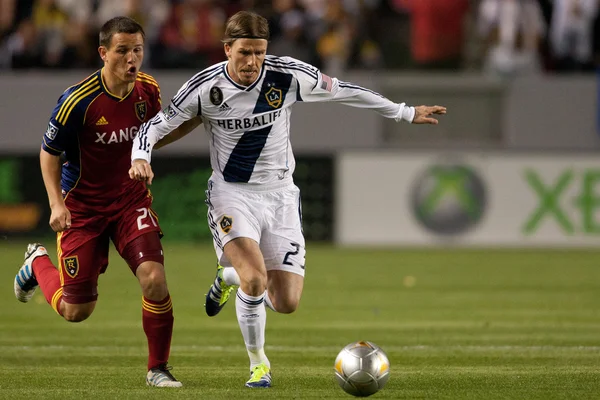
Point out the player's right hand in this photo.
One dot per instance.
(423, 114)
(141, 171)
(60, 218)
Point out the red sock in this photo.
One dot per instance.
(157, 320)
(48, 278)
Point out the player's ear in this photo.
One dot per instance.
(227, 48)
(102, 51)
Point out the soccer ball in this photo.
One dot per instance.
(362, 369)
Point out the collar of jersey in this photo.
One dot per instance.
(245, 88)
(108, 93)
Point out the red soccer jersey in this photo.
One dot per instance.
(95, 129)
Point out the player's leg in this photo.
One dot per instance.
(36, 268)
(283, 248)
(284, 291)
(80, 288)
(284, 260)
(138, 241)
(245, 256)
(220, 223)
(234, 221)
(82, 257)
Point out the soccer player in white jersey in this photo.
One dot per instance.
(254, 213)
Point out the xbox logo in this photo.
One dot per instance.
(449, 199)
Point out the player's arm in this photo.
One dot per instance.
(53, 144)
(51, 166)
(318, 87)
(180, 132)
(185, 106)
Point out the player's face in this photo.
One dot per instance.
(124, 56)
(246, 57)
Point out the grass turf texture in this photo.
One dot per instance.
(456, 324)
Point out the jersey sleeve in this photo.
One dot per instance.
(183, 107)
(315, 86)
(156, 106)
(65, 121)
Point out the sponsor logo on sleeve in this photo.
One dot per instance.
(169, 113)
(52, 131)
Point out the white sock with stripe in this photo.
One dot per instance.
(252, 318)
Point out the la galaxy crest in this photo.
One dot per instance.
(71, 265)
(216, 95)
(274, 97)
(141, 110)
(226, 223)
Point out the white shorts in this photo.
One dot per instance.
(272, 218)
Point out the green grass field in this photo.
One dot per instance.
(455, 324)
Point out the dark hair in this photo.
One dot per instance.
(119, 25)
(246, 25)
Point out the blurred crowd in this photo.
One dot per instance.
(501, 37)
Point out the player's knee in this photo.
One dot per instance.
(76, 314)
(152, 280)
(254, 284)
(287, 304)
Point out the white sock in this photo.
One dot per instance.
(230, 276)
(252, 318)
(268, 302)
(258, 357)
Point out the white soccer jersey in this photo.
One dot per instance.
(249, 126)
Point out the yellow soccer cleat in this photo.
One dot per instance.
(218, 294)
(260, 377)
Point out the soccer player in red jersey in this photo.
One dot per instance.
(93, 200)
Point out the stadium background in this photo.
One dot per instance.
(468, 249)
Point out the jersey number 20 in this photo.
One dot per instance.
(144, 215)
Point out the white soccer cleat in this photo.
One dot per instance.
(25, 282)
(161, 377)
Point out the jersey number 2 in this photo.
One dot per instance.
(292, 253)
(140, 220)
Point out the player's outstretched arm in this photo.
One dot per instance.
(180, 132)
(60, 218)
(316, 86)
(156, 131)
(183, 107)
(423, 114)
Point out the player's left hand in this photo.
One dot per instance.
(423, 114)
(141, 171)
